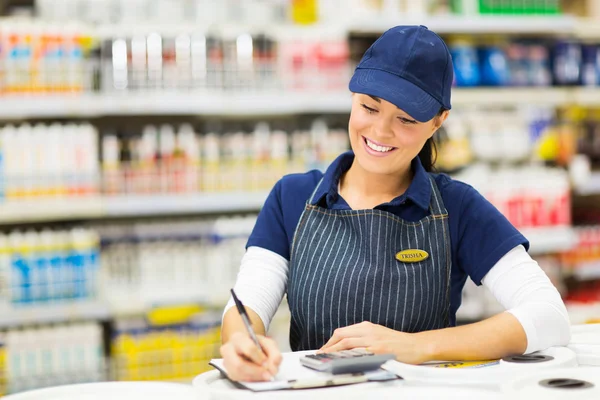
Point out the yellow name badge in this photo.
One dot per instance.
(412, 256)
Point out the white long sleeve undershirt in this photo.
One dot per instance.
(516, 281)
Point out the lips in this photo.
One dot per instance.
(377, 149)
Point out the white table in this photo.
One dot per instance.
(111, 391)
(212, 386)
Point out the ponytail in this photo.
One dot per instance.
(428, 155)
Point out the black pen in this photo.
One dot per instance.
(244, 315)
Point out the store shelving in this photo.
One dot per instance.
(586, 29)
(581, 313)
(53, 313)
(48, 210)
(550, 239)
(448, 24)
(260, 103)
(65, 209)
(214, 203)
(591, 187)
(174, 103)
(586, 97)
(507, 96)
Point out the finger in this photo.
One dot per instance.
(246, 347)
(273, 354)
(240, 369)
(348, 344)
(344, 333)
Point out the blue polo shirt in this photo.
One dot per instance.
(479, 234)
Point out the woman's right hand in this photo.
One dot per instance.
(244, 361)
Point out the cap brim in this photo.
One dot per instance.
(405, 95)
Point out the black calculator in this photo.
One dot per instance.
(346, 362)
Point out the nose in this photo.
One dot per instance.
(382, 128)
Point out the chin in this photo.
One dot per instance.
(370, 164)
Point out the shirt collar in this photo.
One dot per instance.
(419, 191)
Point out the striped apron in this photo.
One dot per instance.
(343, 271)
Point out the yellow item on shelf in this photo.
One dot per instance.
(305, 12)
(173, 315)
(2, 369)
(548, 145)
(166, 352)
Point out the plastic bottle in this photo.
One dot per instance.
(14, 359)
(26, 163)
(465, 61)
(63, 266)
(20, 274)
(111, 169)
(80, 261)
(5, 273)
(69, 157)
(87, 158)
(38, 266)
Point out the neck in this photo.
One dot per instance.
(364, 187)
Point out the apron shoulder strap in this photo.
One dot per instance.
(436, 204)
(311, 199)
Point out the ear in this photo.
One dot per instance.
(439, 120)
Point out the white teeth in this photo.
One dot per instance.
(378, 148)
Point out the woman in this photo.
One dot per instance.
(374, 253)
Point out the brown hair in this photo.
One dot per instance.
(428, 153)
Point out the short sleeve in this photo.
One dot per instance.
(269, 231)
(485, 235)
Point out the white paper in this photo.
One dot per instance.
(292, 370)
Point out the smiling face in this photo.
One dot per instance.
(384, 138)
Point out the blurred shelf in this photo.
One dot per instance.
(550, 25)
(582, 313)
(587, 28)
(174, 103)
(240, 104)
(69, 209)
(45, 210)
(586, 96)
(150, 205)
(504, 96)
(52, 313)
(550, 240)
(586, 271)
(591, 187)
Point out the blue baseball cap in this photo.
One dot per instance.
(409, 66)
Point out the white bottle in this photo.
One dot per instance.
(25, 164)
(30, 351)
(56, 163)
(63, 351)
(69, 154)
(14, 360)
(37, 273)
(40, 163)
(88, 158)
(5, 273)
(7, 138)
(19, 269)
(45, 353)
(64, 268)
